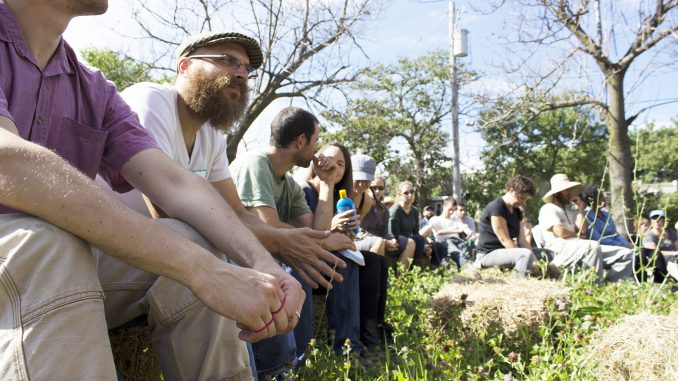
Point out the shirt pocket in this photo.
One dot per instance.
(81, 145)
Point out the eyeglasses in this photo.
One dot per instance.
(230, 61)
(377, 188)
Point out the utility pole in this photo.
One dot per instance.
(456, 175)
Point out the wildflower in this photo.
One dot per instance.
(512, 357)
(508, 377)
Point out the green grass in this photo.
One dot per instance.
(560, 351)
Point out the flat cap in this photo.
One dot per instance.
(250, 45)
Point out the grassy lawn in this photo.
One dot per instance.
(452, 343)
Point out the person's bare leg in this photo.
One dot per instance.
(407, 255)
(379, 247)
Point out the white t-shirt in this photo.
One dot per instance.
(551, 215)
(156, 106)
(438, 223)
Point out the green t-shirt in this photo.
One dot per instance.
(401, 223)
(258, 185)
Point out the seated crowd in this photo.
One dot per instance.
(211, 255)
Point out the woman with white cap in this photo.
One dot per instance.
(660, 237)
(563, 224)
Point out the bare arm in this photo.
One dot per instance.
(561, 232)
(191, 199)
(500, 228)
(522, 237)
(318, 265)
(128, 235)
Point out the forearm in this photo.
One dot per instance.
(189, 198)
(426, 230)
(55, 191)
(322, 218)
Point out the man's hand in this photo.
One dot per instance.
(304, 250)
(285, 317)
(248, 297)
(324, 167)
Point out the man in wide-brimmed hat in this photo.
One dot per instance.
(563, 223)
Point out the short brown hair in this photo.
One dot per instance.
(521, 184)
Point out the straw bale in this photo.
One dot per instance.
(479, 299)
(132, 354)
(639, 347)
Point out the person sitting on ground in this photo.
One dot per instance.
(60, 124)
(404, 223)
(374, 275)
(446, 231)
(426, 215)
(660, 238)
(188, 121)
(460, 213)
(601, 228)
(502, 239)
(322, 194)
(266, 189)
(563, 226)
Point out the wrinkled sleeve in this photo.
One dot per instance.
(125, 139)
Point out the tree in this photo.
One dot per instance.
(594, 30)
(571, 141)
(122, 70)
(395, 116)
(308, 45)
(655, 153)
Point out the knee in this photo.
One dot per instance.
(410, 244)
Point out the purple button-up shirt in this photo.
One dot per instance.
(67, 107)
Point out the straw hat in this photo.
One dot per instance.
(559, 183)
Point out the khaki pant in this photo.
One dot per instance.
(53, 316)
(612, 263)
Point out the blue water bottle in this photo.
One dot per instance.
(345, 204)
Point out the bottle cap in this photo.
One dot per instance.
(342, 193)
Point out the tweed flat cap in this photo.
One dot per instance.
(250, 45)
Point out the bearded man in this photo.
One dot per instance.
(188, 119)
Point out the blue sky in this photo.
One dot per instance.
(408, 29)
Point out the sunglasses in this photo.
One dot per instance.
(377, 188)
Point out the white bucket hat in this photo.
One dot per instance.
(559, 183)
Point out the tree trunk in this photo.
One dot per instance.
(622, 205)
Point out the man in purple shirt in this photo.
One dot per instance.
(61, 123)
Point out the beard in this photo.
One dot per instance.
(560, 197)
(205, 97)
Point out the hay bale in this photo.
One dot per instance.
(132, 354)
(639, 347)
(489, 298)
